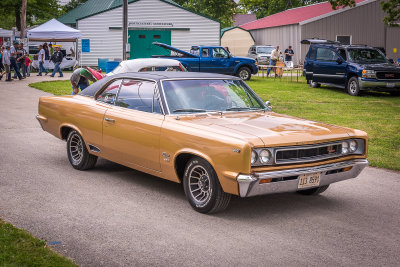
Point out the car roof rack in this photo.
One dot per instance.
(318, 41)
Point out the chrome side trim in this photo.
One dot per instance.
(249, 184)
(328, 75)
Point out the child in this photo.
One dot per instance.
(27, 66)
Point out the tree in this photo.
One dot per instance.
(390, 7)
(263, 8)
(221, 10)
(71, 5)
(37, 11)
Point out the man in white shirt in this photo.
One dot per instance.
(275, 54)
(41, 59)
(13, 60)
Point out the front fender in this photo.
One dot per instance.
(252, 67)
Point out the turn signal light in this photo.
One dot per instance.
(265, 181)
(347, 169)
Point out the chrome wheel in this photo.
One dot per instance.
(200, 185)
(244, 74)
(353, 87)
(76, 149)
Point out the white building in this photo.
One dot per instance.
(164, 21)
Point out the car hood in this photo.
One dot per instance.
(270, 128)
(244, 59)
(380, 67)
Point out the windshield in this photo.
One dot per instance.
(264, 50)
(190, 96)
(366, 55)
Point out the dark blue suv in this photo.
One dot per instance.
(351, 67)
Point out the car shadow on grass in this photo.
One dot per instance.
(362, 93)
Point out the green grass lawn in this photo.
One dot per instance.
(376, 113)
(19, 248)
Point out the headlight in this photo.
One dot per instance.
(345, 147)
(265, 156)
(353, 146)
(253, 157)
(368, 74)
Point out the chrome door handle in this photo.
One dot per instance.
(109, 120)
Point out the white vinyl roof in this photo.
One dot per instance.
(134, 65)
(54, 30)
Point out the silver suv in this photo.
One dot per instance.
(261, 53)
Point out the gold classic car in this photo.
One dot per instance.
(210, 132)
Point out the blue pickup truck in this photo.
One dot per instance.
(213, 59)
(354, 68)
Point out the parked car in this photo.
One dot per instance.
(212, 59)
(148, 64)
(352, 67)
(210, 132)
(261, 53)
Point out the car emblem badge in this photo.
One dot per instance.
(331, 150)
(236, 150)
(389, 75)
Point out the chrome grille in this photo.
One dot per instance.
(307, 153)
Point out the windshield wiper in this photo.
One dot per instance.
(189, 110)
(241, 108)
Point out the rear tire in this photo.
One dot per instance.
(313, 191)
(202, 187)
(314, 84)
(244, 73)
(395, 93)
(353, 87)
(78, 155)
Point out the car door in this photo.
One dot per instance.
(131, 128)
(222, 62)
(327, 67)
(207, 63)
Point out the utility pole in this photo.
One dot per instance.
(23, 20)
(124, 28)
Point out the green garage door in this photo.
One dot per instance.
(141, 43)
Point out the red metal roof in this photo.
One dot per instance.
(291, 16)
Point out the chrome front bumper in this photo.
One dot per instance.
(377, 84)
(249, 184)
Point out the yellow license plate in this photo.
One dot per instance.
(309, 180)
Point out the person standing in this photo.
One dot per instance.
(80, 80)
(275, 54)
(6, 62)
(13, 60)
(289, 53)
(27, 66)
(21, 60)
(1, 62)
(41, 59)
(57, 58)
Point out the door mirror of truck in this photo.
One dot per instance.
(339, 61)
(391, 61)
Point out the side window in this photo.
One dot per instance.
(109, 93)
(138, 95)
(205, 52)
(342, 53)
(326, 54)
(311, 53)
(219, 52)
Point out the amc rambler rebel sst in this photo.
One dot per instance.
(210, 132)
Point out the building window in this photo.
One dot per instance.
(156, 36)
(344, 39)
(142, 36)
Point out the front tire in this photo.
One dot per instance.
(78, 155)
(353, 88)
(202, 187)
(244, 73)
(394, 93)
(313, 191)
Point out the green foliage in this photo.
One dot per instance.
(221, 10)
(263, 8)
(71, 5)
(392, 10)
(37, 12)
(337, 3)
(19, 248)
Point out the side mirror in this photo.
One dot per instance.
(268, 104)
(339, 61)
(391, 60)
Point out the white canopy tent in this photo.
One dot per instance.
(55, 31)
(6, 35)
